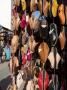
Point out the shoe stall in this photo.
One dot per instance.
(38, 44)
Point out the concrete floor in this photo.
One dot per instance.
(5, 79)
